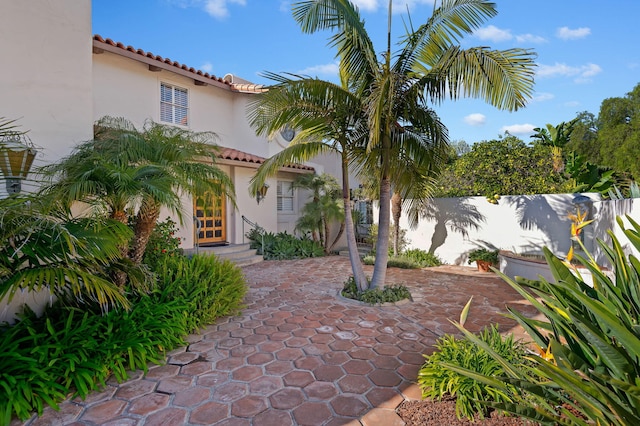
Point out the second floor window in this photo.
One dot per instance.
(174, 105)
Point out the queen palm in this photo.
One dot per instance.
(430, 66)
(330, 119)
(125, 170)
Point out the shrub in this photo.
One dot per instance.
(438, 380)
(162, 243)
(69, 350)
(395, 262)
(209, 287)
(588, 367)
(283, 246)
(388, 294)
(422, 258)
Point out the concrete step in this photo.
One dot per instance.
(240, 254)
(363, 249)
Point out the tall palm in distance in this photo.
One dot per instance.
(429, 67)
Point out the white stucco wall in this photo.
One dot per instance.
(455, 226)
(45, 77)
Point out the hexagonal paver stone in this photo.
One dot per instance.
(409, 371)
(67, 414)
(322, 338)
(278, 368)
(273, 417)
(297, 342)
(243, 350)
(167, 417)
(259, 358)
(270, 347)
(229, 364)
(385, 378)
(247, 373)
(174, 384)
(354, 384)
(335, 358)
(192, 396)
(385, 362)
(265, 385)
(183, 358)
(304, 332)
(229, 392)
(130, 390)
(384, 398)
(248, 406)
(212, 379)
(311, 414)
(307, 363)
(320, 390)
(163, 371)
(348, 406)
(197, 368)
(104, 411)
(298, 378)
(286, 398)
(362, 353)
(149, 403)
(209, 413)
(341, 345)
(229, 343)
(415, 358)
(289, 354)
(328, 373)
(390, 350)
(357, 366)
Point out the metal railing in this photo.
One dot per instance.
(259, 229)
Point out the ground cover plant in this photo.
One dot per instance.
(387, 294)
(409, 259)
(283, 246)
(587, 370)
(73, 351)
(438, 381)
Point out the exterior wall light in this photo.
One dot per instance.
(262, 193)
(16, 157)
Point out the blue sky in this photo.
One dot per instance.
(588, 50)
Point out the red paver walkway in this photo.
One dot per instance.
(299, 355)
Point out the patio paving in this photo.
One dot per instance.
(297, 354)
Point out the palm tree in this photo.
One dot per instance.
(125, 169)
(330, 119)
(430, 66)
(41, 248)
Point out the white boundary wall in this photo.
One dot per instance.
(452, 227)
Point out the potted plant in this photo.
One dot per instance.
(484, 258)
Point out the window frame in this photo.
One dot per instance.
(280, 196)
(175, 105)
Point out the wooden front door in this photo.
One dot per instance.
(211, 212)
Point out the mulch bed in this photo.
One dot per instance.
(428, 412)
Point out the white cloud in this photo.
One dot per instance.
(542, 97)
(493, 33)
(399, 6)
(530, 38)
(321, 70)
(518, 129)
(366, 5)
(582, 73)
(566, 33)
(207, 67)
(475, 119)
(219, 8)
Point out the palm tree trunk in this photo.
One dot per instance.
(354, 257)
(120, 277)
(382, 245)
(396, 211)
(338, 235)
(145, 222)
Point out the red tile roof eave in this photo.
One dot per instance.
(100, 44)
(235, 157)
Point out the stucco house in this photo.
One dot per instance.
(58, 79)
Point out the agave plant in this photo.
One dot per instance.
(587, 369)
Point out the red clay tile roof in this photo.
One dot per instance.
(100, 44)
(236, 155)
